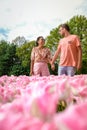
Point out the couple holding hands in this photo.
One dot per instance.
(69, 50)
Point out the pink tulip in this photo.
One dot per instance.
(74, 118)
(44, 107)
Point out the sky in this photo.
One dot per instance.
(33, 18)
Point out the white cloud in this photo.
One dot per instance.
(2, 37)
(31, 18)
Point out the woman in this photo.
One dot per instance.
(40, 57)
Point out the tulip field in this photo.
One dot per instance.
(43, 103)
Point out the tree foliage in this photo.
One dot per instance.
(52, 40)
(78, 25)
(7, 57)
(24, 53)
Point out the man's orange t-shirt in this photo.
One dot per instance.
(68, 50)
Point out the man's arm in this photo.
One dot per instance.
(79, 63)
(55, 57)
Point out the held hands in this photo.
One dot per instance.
(52, 66)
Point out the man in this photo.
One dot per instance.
(70, 52)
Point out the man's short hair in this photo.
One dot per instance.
(66, 26)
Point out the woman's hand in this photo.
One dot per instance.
(31, 73)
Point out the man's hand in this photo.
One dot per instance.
(79, 67)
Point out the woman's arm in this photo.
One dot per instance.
(31, 67)
(32, 61)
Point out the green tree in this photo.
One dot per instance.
(7, 57)
(52, 40)
(78, 26)
(24, 53)
(52, 43)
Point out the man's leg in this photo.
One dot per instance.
(71, 71)
(61, 70)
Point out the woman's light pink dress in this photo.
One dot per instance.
(41, 58)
